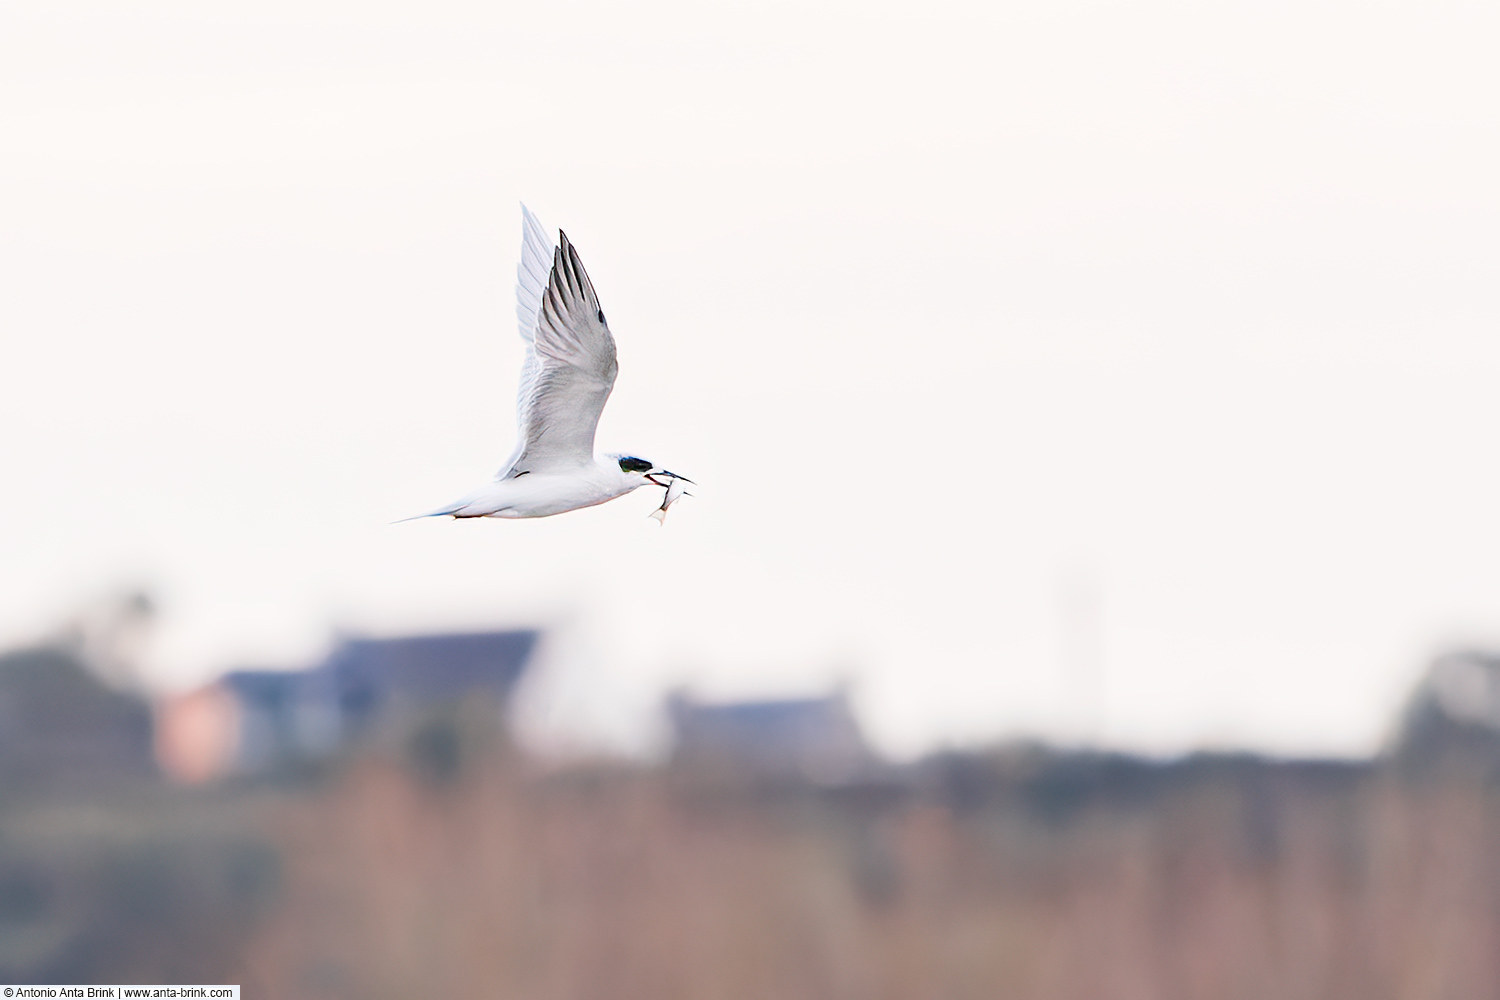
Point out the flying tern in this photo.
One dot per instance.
(566, 379)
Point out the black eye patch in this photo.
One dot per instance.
(634, 465)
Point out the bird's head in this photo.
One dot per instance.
(656, 476)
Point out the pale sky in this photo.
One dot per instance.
(1081, 369)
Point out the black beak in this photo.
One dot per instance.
(657, 482)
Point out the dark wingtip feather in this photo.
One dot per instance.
(585, 286)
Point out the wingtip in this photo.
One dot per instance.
(530, 223)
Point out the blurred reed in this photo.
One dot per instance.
(1255, 880)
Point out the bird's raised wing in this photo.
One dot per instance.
(570, 356)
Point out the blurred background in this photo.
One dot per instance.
(1089, 591)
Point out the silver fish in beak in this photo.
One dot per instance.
(675, 490)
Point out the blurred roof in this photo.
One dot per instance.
(436, 665)
(1454, 712)
(816, 737)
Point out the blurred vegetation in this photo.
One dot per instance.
(106, 873)
(441, 859)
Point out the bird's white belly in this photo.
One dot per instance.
(540, 495)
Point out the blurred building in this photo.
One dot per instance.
(1453, 715)
(812, 738)
(255, 721)
(61, 726)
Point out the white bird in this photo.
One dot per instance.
(568, 374)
